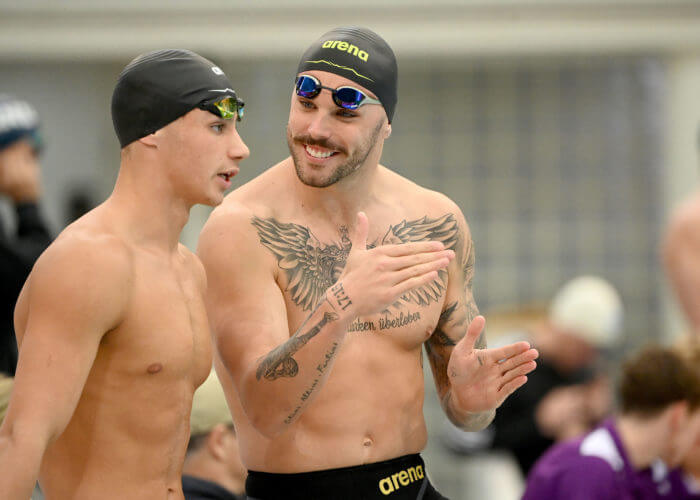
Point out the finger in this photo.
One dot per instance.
(518, 371)
(359, 237)
(408, 261)
(509, 363)
(508, 351)
(473, 331)
(419, 270)
(417, 281)
(412, 248)
(512, 386)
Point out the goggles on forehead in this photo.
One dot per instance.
(226, 108)
(346, 97)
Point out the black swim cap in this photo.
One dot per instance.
(159, 87)
(360, 55)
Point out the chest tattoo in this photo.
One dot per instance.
(312, 266)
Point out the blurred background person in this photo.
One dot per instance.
(568, 393)
(20, 183)
(213, 469)
(629, 456)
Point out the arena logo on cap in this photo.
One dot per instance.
(217, 70)
(346, 47)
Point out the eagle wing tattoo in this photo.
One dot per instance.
(311, 267)
(443, 229)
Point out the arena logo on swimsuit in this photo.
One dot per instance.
(402, 478)
(346, 47)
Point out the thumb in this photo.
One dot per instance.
(359, 237)
(473, 331)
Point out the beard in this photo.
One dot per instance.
(353, 163)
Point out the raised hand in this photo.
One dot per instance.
(481, 379)
(375, 278)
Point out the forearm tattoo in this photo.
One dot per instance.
(436, 344)
(320, 368)
(279, 362)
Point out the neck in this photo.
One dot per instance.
(147, 207)
(211, 470)
(642, 438)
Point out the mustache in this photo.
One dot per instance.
(305, 139)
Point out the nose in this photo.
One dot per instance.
(319, 126)
(238, 149)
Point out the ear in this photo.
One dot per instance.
(678, 415)
(216, 442)
(151, 140)
(387, 131)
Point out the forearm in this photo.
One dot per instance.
(465, 420)
(282, 383)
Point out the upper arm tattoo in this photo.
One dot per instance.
(311, 266)
(472, 311)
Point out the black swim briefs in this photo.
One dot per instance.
(397, 479)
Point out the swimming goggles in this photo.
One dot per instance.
(226, 108)
(346, 97)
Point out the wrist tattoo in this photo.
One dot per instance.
(339, 293)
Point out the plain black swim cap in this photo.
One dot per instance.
(159, 87)
(360, 55)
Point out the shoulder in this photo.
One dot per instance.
(86, 254)
(83, 272)
(565, 470)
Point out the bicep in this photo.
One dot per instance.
(246, 307)
(69, 304)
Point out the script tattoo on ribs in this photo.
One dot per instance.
(279, 362)
(312, 267)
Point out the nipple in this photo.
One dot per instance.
(154, 368)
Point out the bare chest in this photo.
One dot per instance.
(165, 333)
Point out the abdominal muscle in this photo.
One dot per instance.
(369, 410)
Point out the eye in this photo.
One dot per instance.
(306, 103)
(346, 113)
(218, 127)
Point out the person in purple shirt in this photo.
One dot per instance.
(627, 456)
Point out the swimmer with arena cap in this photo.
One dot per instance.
(112, 330)
(327, 275)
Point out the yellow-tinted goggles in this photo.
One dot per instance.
(226, 108)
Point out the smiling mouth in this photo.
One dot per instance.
(321, 154)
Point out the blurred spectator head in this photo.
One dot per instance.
(18, 121)
(661, 384)
(589, 308)
(213, 448)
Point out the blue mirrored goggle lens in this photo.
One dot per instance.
(348, 98)
(345, 97)
(308, 87)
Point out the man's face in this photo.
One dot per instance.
(329, 143)
(202, 152)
